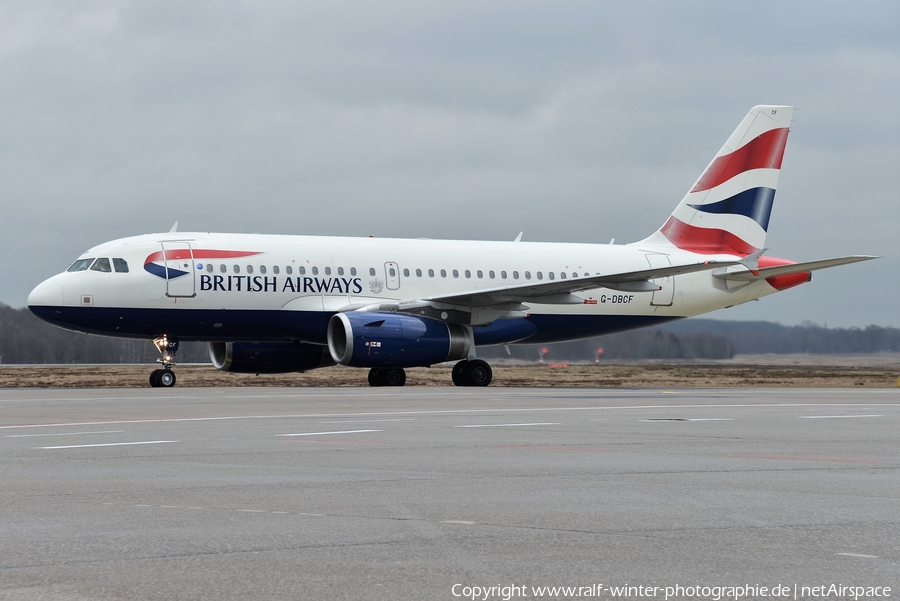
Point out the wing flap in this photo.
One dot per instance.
(562, 291)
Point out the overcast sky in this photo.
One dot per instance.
(572, 121)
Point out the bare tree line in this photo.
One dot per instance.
(26, 339)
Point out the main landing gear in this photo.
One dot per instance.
(465, 373)
(165, 377)
(472, 373)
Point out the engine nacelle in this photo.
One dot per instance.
(362, 339)
(267, 357)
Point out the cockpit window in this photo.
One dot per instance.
(121, 265)
(80, 265)
(101, 264)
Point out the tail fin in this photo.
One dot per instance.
(727, 210)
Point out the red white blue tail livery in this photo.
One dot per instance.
(727, 210)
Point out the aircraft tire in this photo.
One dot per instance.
(375, 378)
(166, 378)
(154, 378)
(459, 373)
(478, 373)
(395, 376)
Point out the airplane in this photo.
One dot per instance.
(280, 303)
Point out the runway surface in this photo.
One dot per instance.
(402, 494)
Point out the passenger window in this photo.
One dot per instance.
(455, 273)
(262, 268)
(340, 271)
(574, 274)
(392, 272)
(237, 268)
(562, 275)
(515, 275)
(249, 268)
(315, 271)
(418, 273)
(371, 271)
(353, 271)
(431, 273)
(551, 275)
(80, 265)
(491, 274)
(527, 275)
(223, 268)
(101, 265)
(121, 266)
(275, 269)
(443, 273)
(327, 270)
(405, 272)
(503, 275)
(289, 270)
(540, 275)
(209, 267)
(480, 274)
(301, 270)
(468, 273)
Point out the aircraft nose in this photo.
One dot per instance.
(47, 293)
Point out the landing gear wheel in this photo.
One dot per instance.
(154, 378)
(459, 373)
(166, 378)
(472, 373)
(479, 373)
(393, 377)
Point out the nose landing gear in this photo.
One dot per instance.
(165, 377)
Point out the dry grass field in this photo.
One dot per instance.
(648, 375)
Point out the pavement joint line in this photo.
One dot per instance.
(858, 555)
(327, 433)
(442, 412)
(508, 425)
(62, 434)
(834, 416)
(108, 444)
(463, 522)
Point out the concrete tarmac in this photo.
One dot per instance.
(293, 494)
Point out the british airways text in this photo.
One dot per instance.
(259, 283)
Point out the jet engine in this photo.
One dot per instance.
(268, 357)
(363, 339)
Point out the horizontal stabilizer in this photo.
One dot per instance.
(793, 268)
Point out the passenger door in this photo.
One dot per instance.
(178, 259)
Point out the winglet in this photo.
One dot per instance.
(174, 228)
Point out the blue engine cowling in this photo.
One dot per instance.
(268, 357)
(363, 339)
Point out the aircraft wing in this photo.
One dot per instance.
(768, 272)
(561, 291)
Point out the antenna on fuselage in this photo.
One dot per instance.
(519, 237)
(174, 228)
